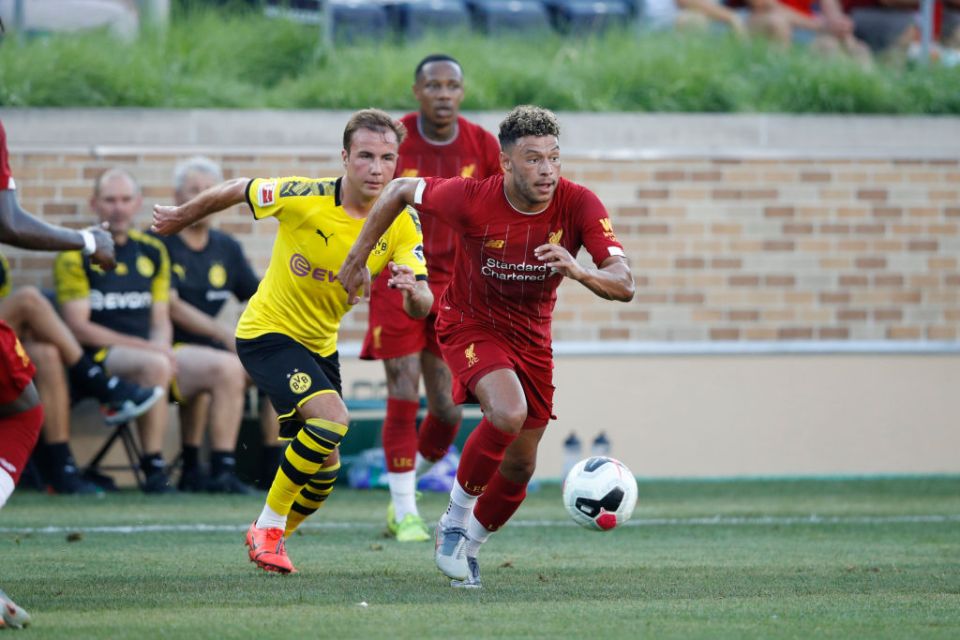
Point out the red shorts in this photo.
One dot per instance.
(16, 369)
(391, 333)
(472, 351)
(18, 436)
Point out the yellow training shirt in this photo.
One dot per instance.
(300, 296)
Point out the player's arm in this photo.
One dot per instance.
(354, 275)
(612, 280)
(161, 330)
(187, 317)
(417, 297)
(169, 220)
(21, 229)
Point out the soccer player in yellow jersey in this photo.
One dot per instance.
(287, 336)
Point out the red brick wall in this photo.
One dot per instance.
(749, 250)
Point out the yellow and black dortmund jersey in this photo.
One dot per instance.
(299, 296)
(4, 277)
(120, 299)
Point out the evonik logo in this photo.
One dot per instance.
(302, 268)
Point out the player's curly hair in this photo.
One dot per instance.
(374, 120)
(527, 120)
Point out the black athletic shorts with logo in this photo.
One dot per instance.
(289, 373)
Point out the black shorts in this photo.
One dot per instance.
(289, 373)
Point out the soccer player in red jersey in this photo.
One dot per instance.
(519, 235)
(439, 142)
(21, 413)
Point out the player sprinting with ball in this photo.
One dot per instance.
(519, 235)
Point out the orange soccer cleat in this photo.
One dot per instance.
(267, 549)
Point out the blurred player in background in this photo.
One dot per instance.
(21, 413)
(287, 335)
(519, 235)
(439, 142)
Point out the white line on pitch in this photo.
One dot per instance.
(721, 521)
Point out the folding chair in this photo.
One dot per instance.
(124, 432)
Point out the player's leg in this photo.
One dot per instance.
(399, 437)
(305, 390)
(20, 423)
(439, 428)
(60, 469)
(204, 370)
(194, 414)
(30, 313)
(314, 493)
(148, 369)
(271, 451)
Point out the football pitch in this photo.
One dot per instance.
(864, 558)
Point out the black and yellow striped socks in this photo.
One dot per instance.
(312, 496)
(302, 460)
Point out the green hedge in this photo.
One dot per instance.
(243, 60)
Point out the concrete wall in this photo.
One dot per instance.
(787, 233)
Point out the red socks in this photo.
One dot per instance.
(482, 455)
(499, 502)
(435, 437)
(400, 435)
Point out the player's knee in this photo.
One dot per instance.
(230, 374)
(44, 355)
(447, 412)
(508, 418)
(155, 369)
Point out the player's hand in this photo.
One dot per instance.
(402, 277)
(166, 220)
(559, 260)
(354, 277)
(104, 255)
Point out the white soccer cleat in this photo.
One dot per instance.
(450, 552)
(13, 616)
(473, 580)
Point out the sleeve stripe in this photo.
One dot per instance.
(418, 196)
(246, 195)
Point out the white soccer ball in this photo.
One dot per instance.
(600, 493)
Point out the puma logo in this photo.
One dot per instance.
(326, 238)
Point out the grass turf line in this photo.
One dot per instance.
(841, 579)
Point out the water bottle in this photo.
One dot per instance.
(572, 450)
(600, 446)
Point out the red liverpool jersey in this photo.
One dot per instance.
(497, 280)
(6, 179)
(473, 153)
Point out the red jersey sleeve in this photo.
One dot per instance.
(6, 177)
(596, 229)
(491, 155)
(446, 199)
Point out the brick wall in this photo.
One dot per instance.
(723, 248)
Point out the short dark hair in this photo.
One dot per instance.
(434, 57)
(374, 120)
(527, 120)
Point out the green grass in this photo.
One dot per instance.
(232, 58)
(861, 568)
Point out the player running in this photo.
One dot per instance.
(287, 335)
(519, 233)
(439, 142)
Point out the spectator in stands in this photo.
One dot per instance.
(53, 348)
(950, 32)
(886, 26)
(121, 317)
(691, 14)
(208, 267)
(826, 30)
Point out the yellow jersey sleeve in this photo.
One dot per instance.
(70, 277)
(408, 242)
(160, 285)
(285, 197)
